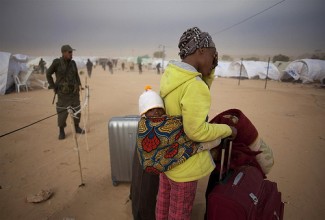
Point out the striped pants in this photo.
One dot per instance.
(175, 200)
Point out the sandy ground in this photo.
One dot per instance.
(290, 118)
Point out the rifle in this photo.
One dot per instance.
(54, 96)
(55, 92)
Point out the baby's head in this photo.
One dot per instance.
(151, 104)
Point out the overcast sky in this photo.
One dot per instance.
(138, 27)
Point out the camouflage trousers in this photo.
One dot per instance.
(64, 101)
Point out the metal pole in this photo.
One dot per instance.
(267, 72)
(162, 56)
(229, 156)
(222, 161)
(241, 65)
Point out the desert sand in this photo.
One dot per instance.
(289, 117)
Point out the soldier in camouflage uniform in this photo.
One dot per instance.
(66, 86)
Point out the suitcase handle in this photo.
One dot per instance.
(226, 142)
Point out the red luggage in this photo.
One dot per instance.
(244, 194)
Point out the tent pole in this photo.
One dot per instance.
(241, 65)
(162, 57)
(267, 72)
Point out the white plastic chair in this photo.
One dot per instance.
(18, 84)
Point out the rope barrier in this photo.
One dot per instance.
(84, 104)
(72, 111)
(30, 124)
(63, 109)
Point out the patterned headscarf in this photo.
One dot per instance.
(193, 39)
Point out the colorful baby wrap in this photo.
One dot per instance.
(162, 143)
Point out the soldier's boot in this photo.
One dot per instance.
(62, 133)
(79, 130)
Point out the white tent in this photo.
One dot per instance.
(222, 68)
(151, 63)
(4, 64)
(281, 65)
(34, 61)
(81, 61)
(306, 70)
(253, 69)
(159, 60)
(10, 66)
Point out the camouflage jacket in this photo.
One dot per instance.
(66, 74)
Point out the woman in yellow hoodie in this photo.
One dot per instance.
(184, 87)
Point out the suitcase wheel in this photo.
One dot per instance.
(115, 183)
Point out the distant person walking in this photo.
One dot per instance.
(115, 62)
(66, 86)
(89, 68)
(158, 68)
(103, 65)
(123, 66)
(41, 65)
(139, 61)
(131, 66)
(110, 66)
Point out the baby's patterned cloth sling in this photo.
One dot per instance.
(162, 143)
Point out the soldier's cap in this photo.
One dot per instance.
(66, 47)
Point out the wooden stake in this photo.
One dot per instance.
(85, 115)
(70, 111)
(86, 133)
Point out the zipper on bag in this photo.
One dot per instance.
(254, 198)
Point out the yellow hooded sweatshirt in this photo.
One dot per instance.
(185, 93)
